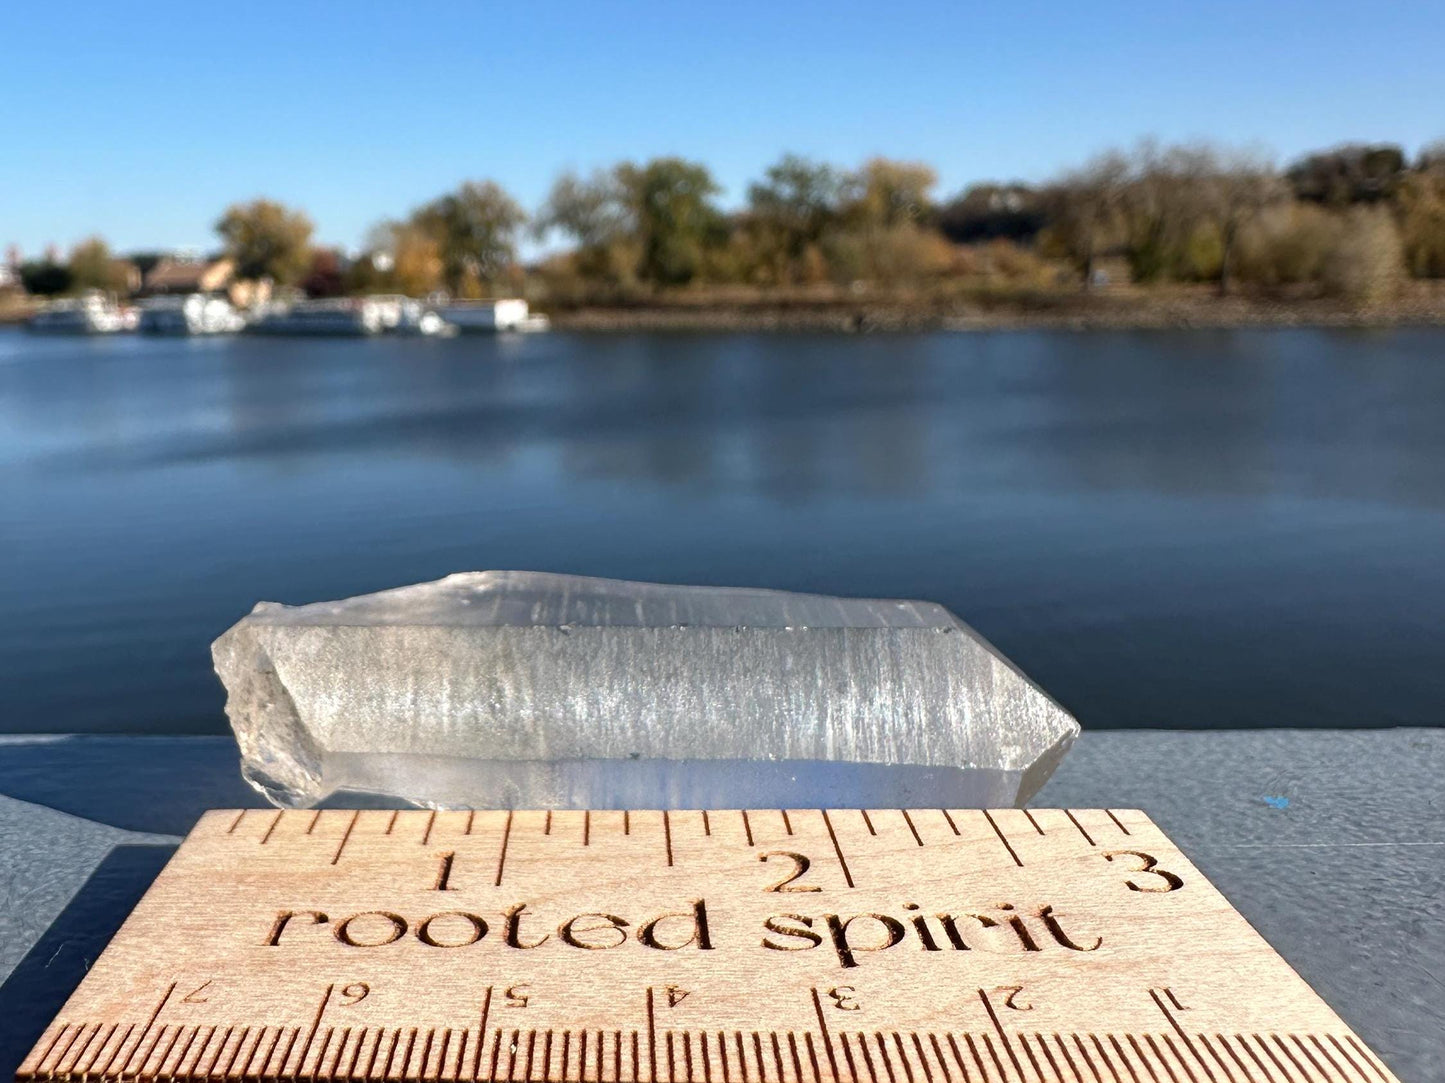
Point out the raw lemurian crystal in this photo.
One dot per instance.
(525, 689)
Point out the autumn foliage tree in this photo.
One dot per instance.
(266, 239)
(92, 266)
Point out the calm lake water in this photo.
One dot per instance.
(1204, 529)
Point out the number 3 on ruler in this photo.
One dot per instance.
(1147, 864)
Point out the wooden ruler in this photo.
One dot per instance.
(889, 946)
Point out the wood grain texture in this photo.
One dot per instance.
(766, 946)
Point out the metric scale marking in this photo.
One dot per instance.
(798, 946)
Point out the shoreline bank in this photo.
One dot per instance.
(1109, 310)
(1056, 312)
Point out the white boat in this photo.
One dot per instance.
(193, 314)
(92, 314)
(343, 316)
(417, 319)
(508, 314)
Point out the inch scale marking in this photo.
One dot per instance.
(759, 946)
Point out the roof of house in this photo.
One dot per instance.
(174, 275)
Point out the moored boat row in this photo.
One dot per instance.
(204, 314)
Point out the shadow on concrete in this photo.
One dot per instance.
(40, 984)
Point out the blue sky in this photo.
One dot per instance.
(142, 121)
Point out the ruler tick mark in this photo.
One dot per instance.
(274, 821)
(922, 1057)
(502, 857)
(1048, 1056)
(938, 1056)
(1158, 1000)
(1074, 820)
(958, 1056)
(1117, 822)
(144, 1030)
(105, 1071)
(947, 816)
(823, 1029)
(787, 823)
(587, 827)
(651, 1034)
(1324, 1053)
(909, 821)
(867, 821)
(1001, 839)
(315, 816)
(1104, 1056)
(355, 1053)
(1346, 1054)
(181, 1059)
(813, 1059)
(1203, 1040)
(1069, 1060)
(667, 835)
(497, 1052)
(1007, 1046)
(1178, 1057)
(430, 823)
(1028, 1052)
(345, 836)
(847, 876)
(1285, 1049)
(236, 822)
(747, 827)
(1030, 816)
(1270, 1054)
(1228, 1048)
(1365, 1055)
(706, 825)
(1143, 1058)
(220, 1049)
(315, 1026)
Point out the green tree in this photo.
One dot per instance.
(594, 213)
(797, 200)
(93, 267)
(671, 202)
(267, 240)
(475, 230)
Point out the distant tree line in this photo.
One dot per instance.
(1353, 221)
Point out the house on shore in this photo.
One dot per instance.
(175, 275)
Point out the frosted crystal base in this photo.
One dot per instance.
(520, 689)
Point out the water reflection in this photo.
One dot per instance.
(1224, 527)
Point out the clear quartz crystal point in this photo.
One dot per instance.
(525, 689)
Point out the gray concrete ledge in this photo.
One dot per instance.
(1331, 843)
